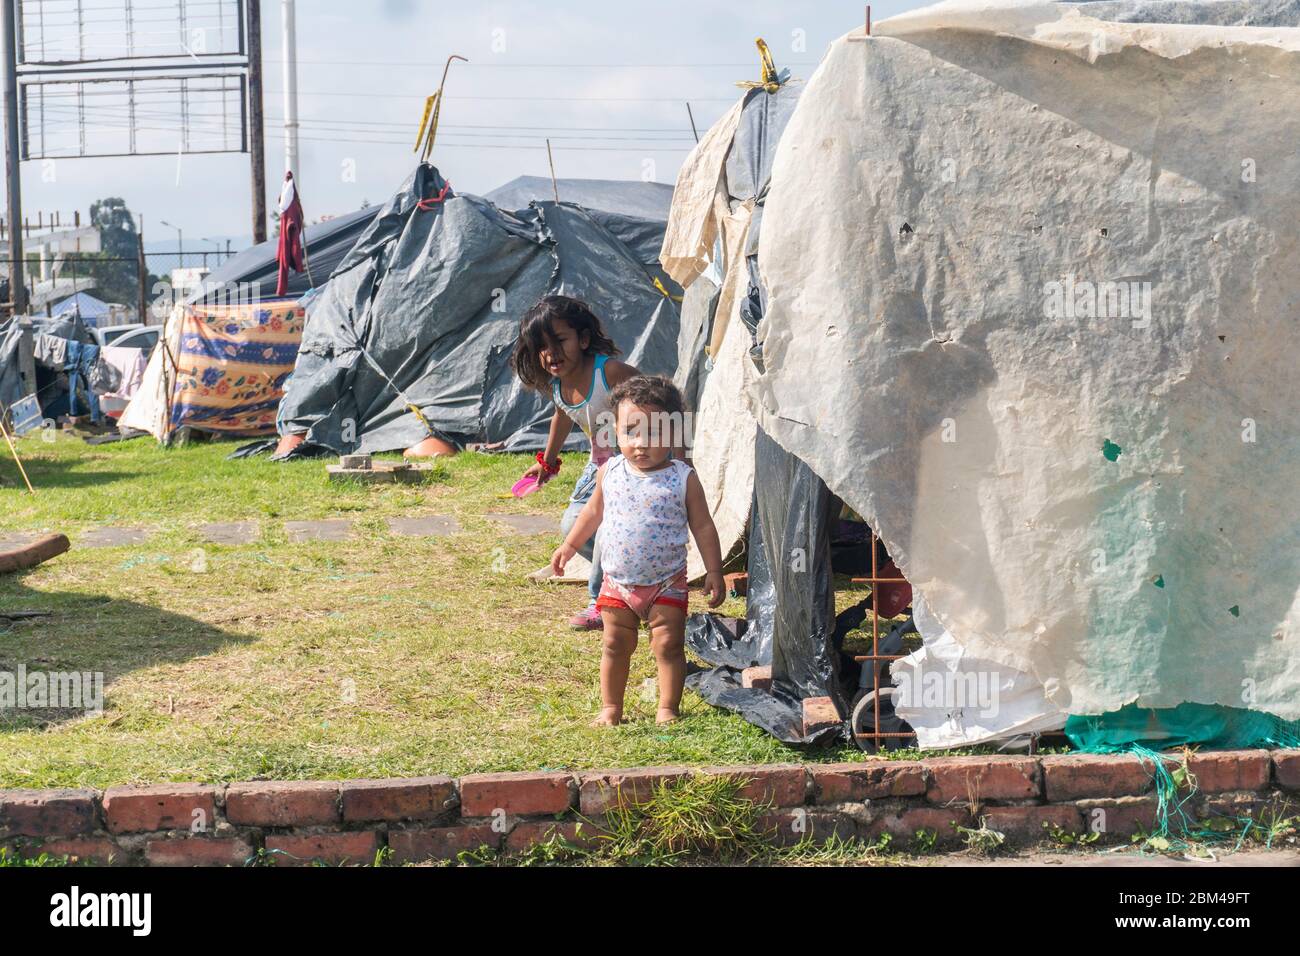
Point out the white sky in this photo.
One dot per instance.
(607, 81)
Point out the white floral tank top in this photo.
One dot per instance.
(643, 532)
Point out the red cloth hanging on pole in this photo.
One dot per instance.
(291, 253)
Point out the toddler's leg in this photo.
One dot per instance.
(668, 639)
(621, 627)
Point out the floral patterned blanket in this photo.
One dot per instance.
(232, 364)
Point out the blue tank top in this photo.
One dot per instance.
(594, 414)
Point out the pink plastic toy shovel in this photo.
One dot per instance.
(525, 486)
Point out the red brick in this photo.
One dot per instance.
(780, 785)
(168, 806)
(47, 812)
(198, 851)
(419, 798)
(903, 825)
(841, 782)
(737, 583)
(516, 794)
(1257, 806)
(580, 833)
(962, 779)
(1118, 817)
(819, 714)
(1222, 771)
(603, 790)
(293, 849)
(1286, 768)
(440, 843)
(1025, 824)
(789, 827)
(82, 849)
(1093, 776)
(282, 803)
(759, 678)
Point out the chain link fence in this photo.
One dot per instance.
(130, 286)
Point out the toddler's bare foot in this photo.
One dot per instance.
(666, 715)
(608, 717)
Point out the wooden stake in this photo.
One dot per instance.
(4, 431)
(551, 159)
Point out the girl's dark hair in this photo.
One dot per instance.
(537, 330)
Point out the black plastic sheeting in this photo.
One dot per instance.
(434, 290)
(790, 621)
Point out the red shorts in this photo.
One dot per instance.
(640, 598)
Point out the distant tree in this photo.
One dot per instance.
(117, 232)
(115, 268)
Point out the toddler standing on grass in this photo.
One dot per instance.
(644, 503)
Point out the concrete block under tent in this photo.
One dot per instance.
(933, 186)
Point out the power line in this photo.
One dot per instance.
(537, 66)
(441, 144)
(517, 97)
(215, 126)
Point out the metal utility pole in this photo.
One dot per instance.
(142, 273)
(256, 133)
(13, 161)
(290, 88)
(180, 243)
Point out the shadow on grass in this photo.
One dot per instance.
(88, 634)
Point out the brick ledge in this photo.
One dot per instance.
(436, 817)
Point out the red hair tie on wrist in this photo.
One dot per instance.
(541, 460)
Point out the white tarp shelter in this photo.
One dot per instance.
(1033, 282)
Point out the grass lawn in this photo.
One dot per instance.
(376, 656)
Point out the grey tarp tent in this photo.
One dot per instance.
(426, 307)
(641, 200)
(12, 386)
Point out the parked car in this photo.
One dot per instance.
(110, 334)
(136, 337)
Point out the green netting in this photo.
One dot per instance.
(1208, 726)
(1143, 732)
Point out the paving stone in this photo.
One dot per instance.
(528, 524)
(110, 537)
(428, 526)
(230, 532)
(331, 529)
